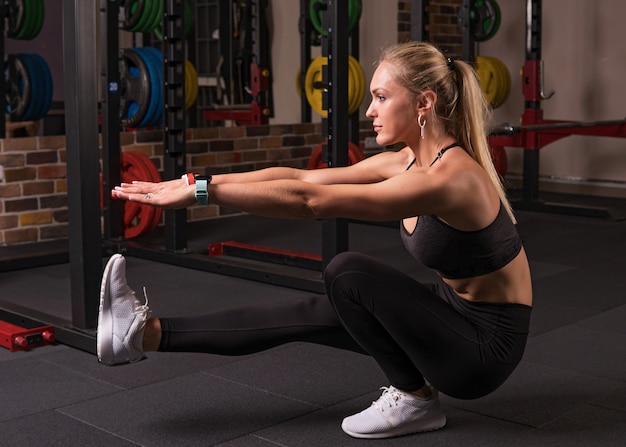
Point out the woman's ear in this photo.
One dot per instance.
(426, 101)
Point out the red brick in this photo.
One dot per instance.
(53, 142)
(221, 145)
(21, 174)
(20, 235)
(203, 160)
(205, 133)
(19, 144)
(15, 206)
(254, 156)
(10, 190)
(232, 132)
(54, 232)
(270, 142)
(36, 218)
(37, 188)
(8, 222)
(12, 160)
(52, 172)
(246, 143)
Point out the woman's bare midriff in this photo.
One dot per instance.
(510, 284)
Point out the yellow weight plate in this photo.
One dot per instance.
(313, 86)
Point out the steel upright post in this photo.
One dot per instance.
(110, 88)
(81, 109)
(335, 231)
(174, 127)
(532, 101)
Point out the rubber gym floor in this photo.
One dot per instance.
(569, 390)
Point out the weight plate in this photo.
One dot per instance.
(156, 59)
(315, 161)
(314, 88)
(188, 23)
(157, 16)
(139, 219)
(16, 16)
(134, 88)
(43, 72)
(152, 111)
(485, 18)
(18, 89)
(36, 87)
(315, 14)
(133, 12)
(191, 84)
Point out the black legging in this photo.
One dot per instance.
(465, 350)
(411, 331)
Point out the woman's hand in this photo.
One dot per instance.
(170, 194)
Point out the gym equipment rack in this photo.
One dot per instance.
(536, 132)
(88, 244)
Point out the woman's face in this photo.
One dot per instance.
(392, 109)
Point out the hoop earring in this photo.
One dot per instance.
(422, 125)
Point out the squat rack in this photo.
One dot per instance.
(536, 132)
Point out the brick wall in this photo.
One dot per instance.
(441, 24)
(33, 196)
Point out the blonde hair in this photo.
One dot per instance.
(461, 103)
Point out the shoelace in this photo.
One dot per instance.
(389, 398)
(143, 310)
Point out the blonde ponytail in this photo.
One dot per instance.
(461, 103)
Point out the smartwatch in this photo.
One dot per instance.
(202, 195)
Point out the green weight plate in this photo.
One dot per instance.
(485, 18)
(188, 17)
(15, 18)
(145, 16)
(157, 16)
(133, 12)
(29, 19)
(41, 15)
(315, 14)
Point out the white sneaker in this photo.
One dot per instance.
(396, 413)
(122, 317)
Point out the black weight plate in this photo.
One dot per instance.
(17, 87)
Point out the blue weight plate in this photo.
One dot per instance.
(134, 88)
(35, 86)
(47, 91)
(157, 58)
(152, 105)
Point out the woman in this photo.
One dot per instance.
(463, 335)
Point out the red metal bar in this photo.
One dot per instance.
(219, 248)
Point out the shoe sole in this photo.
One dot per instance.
(434, 425)
(105, 320)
